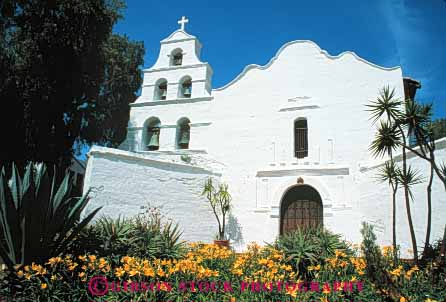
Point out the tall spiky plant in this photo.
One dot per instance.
(388, 173)
(220, 202)
(390, 109)
(38, 218)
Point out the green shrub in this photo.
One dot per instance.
(154, 238)
(309, 246)
(38, 218)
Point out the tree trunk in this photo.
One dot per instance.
(429, 211)
(409, 215)
(394, 223)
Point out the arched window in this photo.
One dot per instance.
(160, 89)
(300, 138)
(185, 90)
(183, 133)
(176, 57)
(152, 134)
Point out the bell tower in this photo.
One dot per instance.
(178, 72)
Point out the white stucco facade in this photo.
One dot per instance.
(243, 134)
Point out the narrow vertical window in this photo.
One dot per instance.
(183, 134)
(300, 138)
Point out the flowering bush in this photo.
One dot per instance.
(207, 272)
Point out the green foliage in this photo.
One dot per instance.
(153, 238)
(38, 218)
(65, 77)
(309, 246)
(387, 139)
(148, 235)
(220, 202)
(439, 128)
(115, 235)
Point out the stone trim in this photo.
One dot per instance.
(304, 171)
(97, 151)
(176, 67)
(174, 101)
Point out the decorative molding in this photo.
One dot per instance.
(149, 70)
(200, 124)
(174, 83)
(193, 125)
(324, 52)
(301, 107)
(175, 152)
(97, 151)
(174, 101)
(304, 171)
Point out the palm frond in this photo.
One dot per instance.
(409, 179)
(385, 105)
(387, 139)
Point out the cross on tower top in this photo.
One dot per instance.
(182, 22)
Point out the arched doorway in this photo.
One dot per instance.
(301, 206)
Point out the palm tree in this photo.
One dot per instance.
(392, 132)
(388, 173)
(419, 118)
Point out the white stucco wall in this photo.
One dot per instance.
(376, 203)
(122, 183)
(244, 131)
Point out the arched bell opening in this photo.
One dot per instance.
(152, 134)
(183, 133)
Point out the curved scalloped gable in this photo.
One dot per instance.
(299, 51)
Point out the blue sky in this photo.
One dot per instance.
(410, 34)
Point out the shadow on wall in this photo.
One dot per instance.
(234, 230)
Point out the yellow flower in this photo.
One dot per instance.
(397, 271)
(54, 260)
(402, 299)
(133, 272)
(92, 258)
(43, 285)
(82, 258)
(339, 253)
(160, 272)
(72, 267)
(430, 300)
(20, 274)
(119, 272)
(148, 271)
(53, 277)
(81, 274)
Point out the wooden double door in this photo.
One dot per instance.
(301, 208)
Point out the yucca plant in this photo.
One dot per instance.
(116, 235)
(38, 219)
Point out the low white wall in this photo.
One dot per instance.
(124, 182)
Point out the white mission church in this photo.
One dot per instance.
(290, 139)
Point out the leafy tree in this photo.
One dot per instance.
(439, 128)
(62, 75)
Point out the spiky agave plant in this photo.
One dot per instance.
(38, 219)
